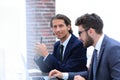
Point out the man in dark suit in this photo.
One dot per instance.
(74, 54)
(106, 64)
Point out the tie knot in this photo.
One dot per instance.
(61, 46)
(95, 50)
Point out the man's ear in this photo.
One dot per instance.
(91, 31)
(69, 27)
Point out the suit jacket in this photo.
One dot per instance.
(75, 58)
(108, 67)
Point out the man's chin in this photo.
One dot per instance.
(59, 37)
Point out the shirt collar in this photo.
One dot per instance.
(66, 41)
(99, 43)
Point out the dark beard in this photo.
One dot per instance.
(89, 41)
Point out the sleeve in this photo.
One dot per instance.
(65, 76)
(40, 63)
(82, 73)
(114, 62)
(47, 64)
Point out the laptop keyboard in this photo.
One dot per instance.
(43, 78)
(38, 78)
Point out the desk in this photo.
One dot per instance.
(38, 75)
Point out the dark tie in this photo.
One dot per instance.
(61, 52)
(94, 64)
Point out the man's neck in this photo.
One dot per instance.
(96, 38)
(64, 39)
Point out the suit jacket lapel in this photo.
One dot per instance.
(101, 51)
(57, 50)
(68, 47)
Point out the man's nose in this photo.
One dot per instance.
(58, 29)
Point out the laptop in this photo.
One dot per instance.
(35, 74)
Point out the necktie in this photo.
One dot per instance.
(94, 63)
(61, 52)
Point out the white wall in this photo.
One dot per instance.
(2, 66)
(108, 10)
(12, 37)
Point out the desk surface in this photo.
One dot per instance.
(38, 75)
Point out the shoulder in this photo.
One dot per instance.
(75, 39)
(57, 43)
(112, 47)
(74, 42)
(110, 42)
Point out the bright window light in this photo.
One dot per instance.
(13, 39)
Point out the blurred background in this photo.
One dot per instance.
(24, 22)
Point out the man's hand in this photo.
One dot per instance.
(55, 73)
(41, 49)
(78, 77)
